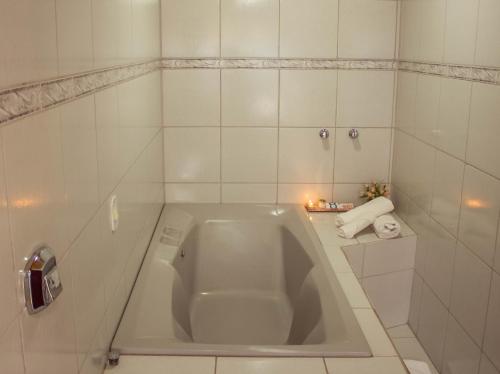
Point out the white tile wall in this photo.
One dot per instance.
(249, 29)
(307, 98)
(308, 28)
(59, 167)
(299, 102)
(457, 120)
(367, 29)
(190, 28)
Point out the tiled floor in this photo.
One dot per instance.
(407, 345)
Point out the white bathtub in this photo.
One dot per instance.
(238, 280)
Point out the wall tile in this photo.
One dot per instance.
(401, 253)
(249, 193)
(307, 98)
(410, 29)
(11, 354)
(348, 192)
(49, 337)
(421, 168)
(486, 367)
(367, 29)
(192, 154)
(471, 286)
(416, 302)
(139, 101)
(364, 159)
(427, 107)
(365, 98)
(432, 30)
(111, 167)
(432, 326)
(447, 191)
(8, 277)
(35, 181)
(497, 253)
(308, 28)
(250, 97)
(401, 175)
(488, 34)
(112, 32)
(79, 146)
(191, 97)
(491, 344)
(190, 28)
(302, 193)
(480, 213)
(453, 120)
(88, 284)
(74, 36)
(438, 270)
(249, 29)
(406, 99)
(249, 155)
(390, 295)
(484, 132)
(461, 355)
(460, 34)
(29, 48)
(304, 157)
(146, 26)
(193, 193)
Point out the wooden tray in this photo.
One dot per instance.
(325, 210)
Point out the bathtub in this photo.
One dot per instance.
(238, 280)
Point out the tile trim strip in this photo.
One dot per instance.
(464, 72)
(276, 63)
(35, 97)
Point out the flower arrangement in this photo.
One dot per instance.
(374, 190)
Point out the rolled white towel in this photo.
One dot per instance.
(377, 207)
(348, 231)
(386, 227)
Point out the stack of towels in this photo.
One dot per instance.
(373, 213)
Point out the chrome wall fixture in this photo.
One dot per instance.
(353, 133)
(42, 284)
(324, 134)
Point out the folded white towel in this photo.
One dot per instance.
(348, 231)
(377, 207)
(386, 227)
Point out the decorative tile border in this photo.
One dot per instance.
(30, 98)
(318, 64)
(470, 73)
(34, 97)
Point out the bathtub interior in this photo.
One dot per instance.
(237, 281)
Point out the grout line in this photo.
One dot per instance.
(447, 153)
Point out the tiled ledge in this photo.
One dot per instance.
(38, 96)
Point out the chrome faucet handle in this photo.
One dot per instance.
(324, 134)
(353, 133)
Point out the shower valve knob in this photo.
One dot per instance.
(324, 134)
(353, 133)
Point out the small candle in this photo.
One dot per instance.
(310, 204)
